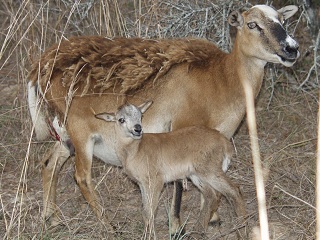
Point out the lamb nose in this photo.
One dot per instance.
(137, 128)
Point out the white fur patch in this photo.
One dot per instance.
(268, 12)
(38, 118)
(196, 180)
(103, 150)
(291, 41)
(60, 129)
(32, 100)
(226, 163)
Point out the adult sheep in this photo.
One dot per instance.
(191, 82)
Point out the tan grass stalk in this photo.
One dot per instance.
(318, 177)
(18, 201)
(318, 145)
(261, 196)
(121, 23)
(138, 16)
(4, 213)
(295, 197)
(15, 30)
(105, 19)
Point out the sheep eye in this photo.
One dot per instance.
(252, 25)
(121, 120)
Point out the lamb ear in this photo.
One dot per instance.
(288, 11)
(108, 117)
(235, 19)
(144, 107)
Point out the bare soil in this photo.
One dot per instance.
(287, 135)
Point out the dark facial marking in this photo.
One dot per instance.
(278, 32)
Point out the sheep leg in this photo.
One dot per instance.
(150, 192)
(209, 205)
(83, 166)
(174, 222)
(224, 185)
(214, 216)
(233, 194)
(51, 166)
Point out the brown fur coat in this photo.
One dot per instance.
(95, 64)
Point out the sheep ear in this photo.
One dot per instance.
(108, 117)
(144, 107)
(288, 11)
(235, 19)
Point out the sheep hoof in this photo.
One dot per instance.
(176, 229)
(215, 220)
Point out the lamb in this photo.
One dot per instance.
(198, 153)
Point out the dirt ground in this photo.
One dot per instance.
(287, 137)
(287, 128)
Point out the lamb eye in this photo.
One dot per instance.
(252, 25)
(121, 120)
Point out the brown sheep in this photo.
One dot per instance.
(191, 82)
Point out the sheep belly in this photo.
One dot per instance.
(106, 153)
(176, 170)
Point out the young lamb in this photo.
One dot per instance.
(198, 153)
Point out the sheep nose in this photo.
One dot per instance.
(291, 50)
(137, 128)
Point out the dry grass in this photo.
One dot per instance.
(286, 119)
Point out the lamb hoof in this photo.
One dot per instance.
(215, 220)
